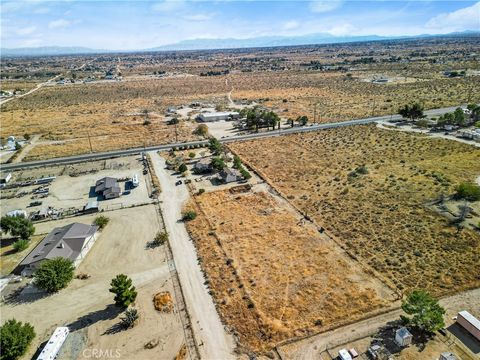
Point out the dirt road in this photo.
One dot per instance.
(214, 343)
(312, 347)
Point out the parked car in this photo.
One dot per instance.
(179, 182)
(35, 203)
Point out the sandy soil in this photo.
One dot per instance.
(280, 288)
(214, 342)
(345, 337)
(86, 305)
(75, 191)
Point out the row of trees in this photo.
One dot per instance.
(257, 118)
(414, 112)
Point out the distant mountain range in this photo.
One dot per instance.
(231, 43)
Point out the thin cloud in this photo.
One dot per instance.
(291, 25)
(168, 6)
(26, 30)
(58, 24)
(198, 17)
(462, 19)
(325, 5)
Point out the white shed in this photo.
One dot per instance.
(403, 337)
(447, 356)
(344, 355)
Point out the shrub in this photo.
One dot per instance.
(130, 319)
(191, 155)
(201, 191)
(468, 191)
(147, 122)
(53, 275)
(182, 168)
(124, 291)
(217, 163)
(201, 130)
(101, 221)
(159, 239)
(189, 215)
(15, 337)
(20, 245)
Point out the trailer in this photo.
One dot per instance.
(469, 323)
(54, 344)
(135, 181)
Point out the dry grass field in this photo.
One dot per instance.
(274, 276)
(379, 217)
(288, 80)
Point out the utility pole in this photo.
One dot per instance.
(373, 107)
(314, 113)
(176, 133)
(89, 141)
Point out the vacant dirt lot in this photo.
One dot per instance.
(368, 188)
(272, 274)
(86, 305)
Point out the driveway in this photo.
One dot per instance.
(214, 342)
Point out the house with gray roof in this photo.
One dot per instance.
(108, 187)
(69, 242)
(228, 175)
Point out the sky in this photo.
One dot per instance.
(131, 25)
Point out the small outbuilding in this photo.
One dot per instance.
(469, 323)
(108, 187)
(202, 166)
(447, 356)
(344, 355)
(230, 175)
(403, 337)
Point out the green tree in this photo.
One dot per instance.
(413, 111)
(182, 168)
(468, 191)
(215, 146)
(54, 274)
(17, 226)
(17, 146)
(302, 120)
(217, 163)
(427, 312)
(101, 221)
(459, 117)
(124, 291)
(15, 337)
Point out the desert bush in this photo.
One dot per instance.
(189, 215)
(101, 221)
(20, 245)
(130, 318)
(468, 191)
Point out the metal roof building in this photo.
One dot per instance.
(218, 116)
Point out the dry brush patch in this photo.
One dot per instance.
(272, 276)
(380, 217)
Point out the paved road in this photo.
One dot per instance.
(214, 343)
(118, 153)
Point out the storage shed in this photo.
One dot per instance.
(469, 323)
(447, 356)
(403, 337)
